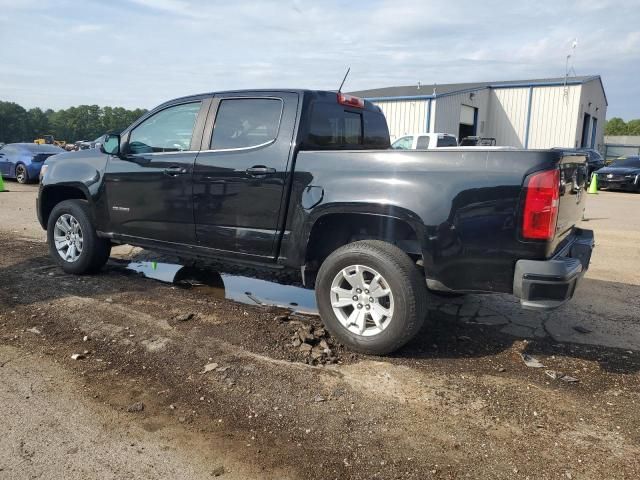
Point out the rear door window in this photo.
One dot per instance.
(246, 123)
(422, 142)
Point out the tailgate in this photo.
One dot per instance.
(573, 177)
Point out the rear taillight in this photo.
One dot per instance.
(541, 205)
(350, 100)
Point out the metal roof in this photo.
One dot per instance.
(446, 89)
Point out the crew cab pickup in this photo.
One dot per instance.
(305, 181)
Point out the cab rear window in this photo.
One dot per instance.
(333, 127)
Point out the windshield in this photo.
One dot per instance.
(631, 162)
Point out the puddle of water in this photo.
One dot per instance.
(252, 291)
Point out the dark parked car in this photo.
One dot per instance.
(595, 161)
(475, 141)
(23, 161)
(622, 174)
(304, 182)
(86, 144)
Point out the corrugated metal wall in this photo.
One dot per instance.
(404, 116)
(592, 94)
(507, 116)
(554, 120)
(554, 116)
(447, 112)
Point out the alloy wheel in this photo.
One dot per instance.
(21, 174)
(362, 300)
(68, 239)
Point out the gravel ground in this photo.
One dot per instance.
(180, 383)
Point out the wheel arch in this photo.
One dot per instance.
(52, 195)
(332, 228)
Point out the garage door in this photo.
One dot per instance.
(467, 115)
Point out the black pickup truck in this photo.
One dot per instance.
(305, 181)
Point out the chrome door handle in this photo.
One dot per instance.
(260, 170)
(175, 171)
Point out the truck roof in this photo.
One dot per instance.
(315, 94)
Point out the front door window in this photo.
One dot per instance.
(169, 130)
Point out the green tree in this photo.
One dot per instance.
(13, 123)
(633, 127)
(84, 122)
(38, 123)
(615, 126)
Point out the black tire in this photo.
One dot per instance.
(95, 250)
(22, 175)
(403, 279)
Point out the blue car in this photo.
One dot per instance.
(23, 161)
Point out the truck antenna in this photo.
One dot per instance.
(344, 79)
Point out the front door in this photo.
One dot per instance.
(240, 174)
(149, 188)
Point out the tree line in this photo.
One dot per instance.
(84, 122)
(617, 126)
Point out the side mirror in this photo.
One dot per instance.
(111, 144)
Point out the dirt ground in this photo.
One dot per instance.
(458, 402)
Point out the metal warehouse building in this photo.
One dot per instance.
(543, 113)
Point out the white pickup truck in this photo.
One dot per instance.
(425, 141)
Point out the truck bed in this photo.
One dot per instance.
(468, 204)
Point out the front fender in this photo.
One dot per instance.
(78, 169)
(82, 171)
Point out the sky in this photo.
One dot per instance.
(139, 53)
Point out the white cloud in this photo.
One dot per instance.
(86, 28)
(105, 59)
(177, 7)
(167, 48)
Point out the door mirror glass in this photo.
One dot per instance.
(111, 144)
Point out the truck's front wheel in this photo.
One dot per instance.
(73, 242)
(371, 296)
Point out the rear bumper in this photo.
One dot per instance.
(547, 284)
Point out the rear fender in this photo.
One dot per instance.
(299, 235)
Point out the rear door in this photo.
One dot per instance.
(240, 174)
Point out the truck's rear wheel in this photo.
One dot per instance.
(73, 242)
(371, 296)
